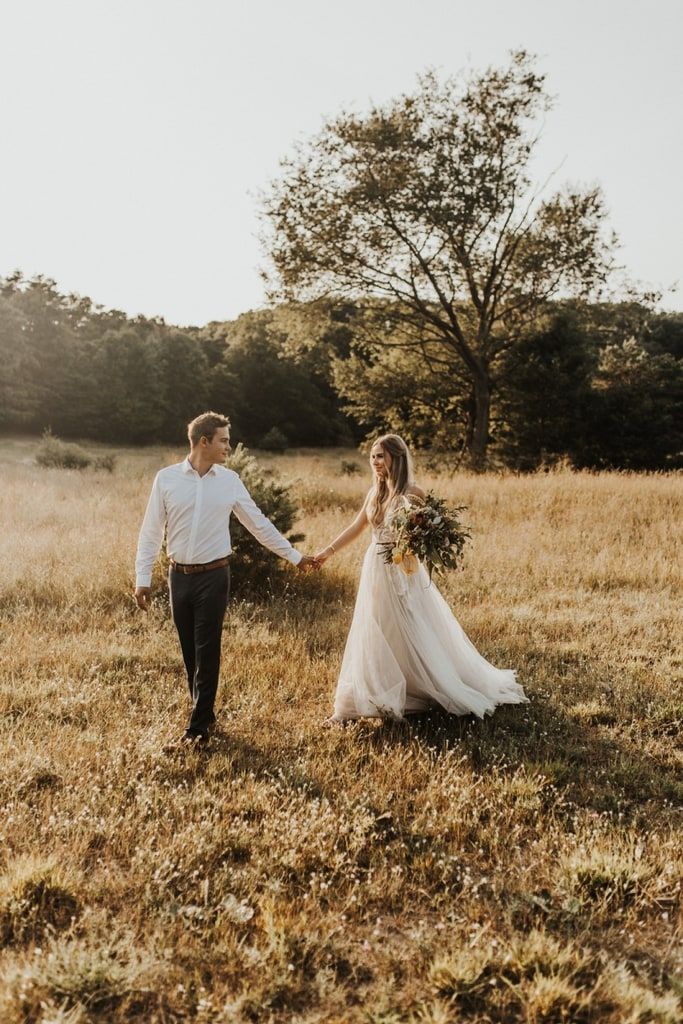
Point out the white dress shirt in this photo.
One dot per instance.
(195, 511)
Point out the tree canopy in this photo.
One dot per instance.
(427, 203)
(600, 384)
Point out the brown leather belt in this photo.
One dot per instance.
(201, 566)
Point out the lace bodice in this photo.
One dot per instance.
(381, 532)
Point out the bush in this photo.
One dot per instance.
(254, 569)
(104, 462)
(274, 441)
(53, 453)
(349, 468)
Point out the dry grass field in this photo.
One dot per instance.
(524, 868)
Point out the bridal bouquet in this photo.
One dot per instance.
(428, 530)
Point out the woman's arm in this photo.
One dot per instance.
(347, 535)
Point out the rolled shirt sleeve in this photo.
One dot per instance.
(151, 536)
(251, 517)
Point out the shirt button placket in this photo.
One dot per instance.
(198, 492)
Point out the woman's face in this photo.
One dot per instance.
(380, 460)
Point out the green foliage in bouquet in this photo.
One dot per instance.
(428, 530)
(253, 568)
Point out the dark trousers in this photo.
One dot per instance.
(198, 603)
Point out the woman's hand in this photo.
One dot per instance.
(323, 555)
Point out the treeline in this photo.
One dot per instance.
(70, 366)
(601, 385)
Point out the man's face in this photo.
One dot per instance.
(218, 448)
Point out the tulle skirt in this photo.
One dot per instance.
(406, 651)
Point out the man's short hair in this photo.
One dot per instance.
(206, 426)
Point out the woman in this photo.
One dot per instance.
(405, 650)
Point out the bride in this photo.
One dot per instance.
(405, 650)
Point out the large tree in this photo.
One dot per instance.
(427, 206)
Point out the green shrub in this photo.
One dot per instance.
(254, 569)
(104, 462)
(350, 468)
(274, 441)
(55, 454)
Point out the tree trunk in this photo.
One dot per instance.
(471, 408)
(482, 411)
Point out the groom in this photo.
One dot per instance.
(191, 501)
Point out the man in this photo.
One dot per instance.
(192, 500)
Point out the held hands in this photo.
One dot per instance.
(308, 563)
(316, 561)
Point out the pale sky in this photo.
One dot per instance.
(136, 133)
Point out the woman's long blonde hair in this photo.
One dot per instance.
(394, 484)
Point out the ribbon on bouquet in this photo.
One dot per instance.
(408, 564)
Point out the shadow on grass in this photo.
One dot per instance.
(595, 759)
(228, 754)
(592, 769)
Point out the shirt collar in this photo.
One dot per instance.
(189, 468)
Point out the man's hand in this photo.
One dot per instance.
(307, 563)
(143, 596)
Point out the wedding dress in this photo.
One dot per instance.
(406, 651)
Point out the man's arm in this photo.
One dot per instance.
(251, 517)
(149, 544)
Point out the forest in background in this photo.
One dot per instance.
(597, 384)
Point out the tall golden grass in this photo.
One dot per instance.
(523, 868)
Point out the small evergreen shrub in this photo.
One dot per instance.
(274, 441)
(254, 569)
